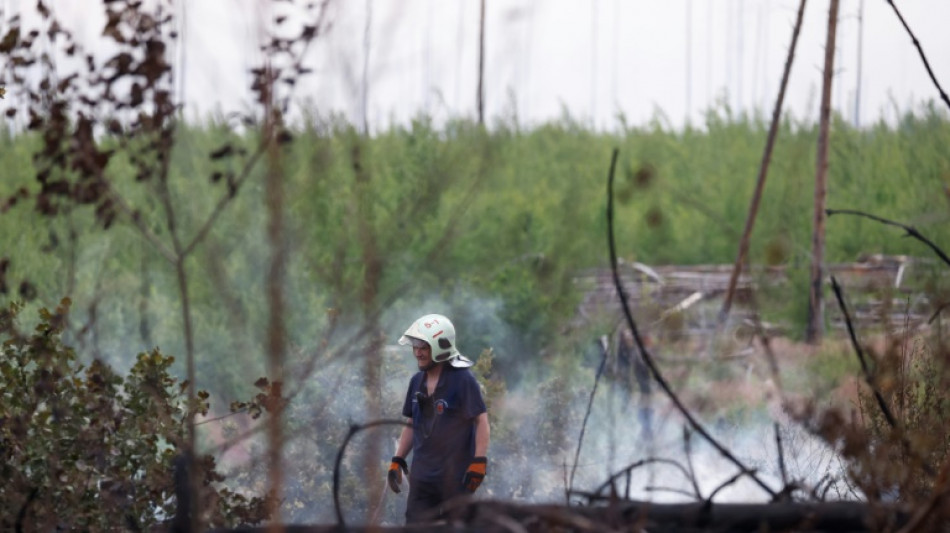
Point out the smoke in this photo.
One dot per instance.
(536, 419)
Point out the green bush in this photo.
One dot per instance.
(82, 448)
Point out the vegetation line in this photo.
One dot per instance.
(647, 357)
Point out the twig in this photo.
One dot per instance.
(725, 484)
(825, 480)
(139, 224)
(781, 453)
(913, 38)
(647, 357)
(354, 429)
(681, 492)
(225, 199)
(590, 404)
(689, 462)
(937, 312)
(643, 462)
(911, 231)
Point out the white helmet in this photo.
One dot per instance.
(439, 333)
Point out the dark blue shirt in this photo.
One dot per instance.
(443, 425)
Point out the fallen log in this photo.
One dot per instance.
(629, 515)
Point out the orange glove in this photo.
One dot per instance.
(396, 468)
(475, 474)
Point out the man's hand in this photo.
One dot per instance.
(475, 474)
(396, 468)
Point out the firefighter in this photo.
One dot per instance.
(448, 433)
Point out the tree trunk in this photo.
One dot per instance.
(369, 297)
(815, 328)
(276, 302)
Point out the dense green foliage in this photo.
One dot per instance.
(83, 448)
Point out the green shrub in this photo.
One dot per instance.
(82, 448)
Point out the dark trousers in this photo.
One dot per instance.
(425, 500)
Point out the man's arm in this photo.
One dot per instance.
(482, 435)
(405, 441)
(476, 471)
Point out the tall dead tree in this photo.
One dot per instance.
(857, 84)
(364, 83)
(815, 328)
(481, 64)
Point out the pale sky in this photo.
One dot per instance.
(590, 58)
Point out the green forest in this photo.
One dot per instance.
(225, 285)
(462, 218)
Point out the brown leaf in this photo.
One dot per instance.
(10, 40)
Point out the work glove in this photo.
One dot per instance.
(475, 474)
(396, 468)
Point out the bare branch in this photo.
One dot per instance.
(868, 378)
(590, 402)
(354, 429)
(687, 449)
(725, 484)
(920, 50)
(781, 453)
(643, 462)
(224, 200)
(763, 170)
(143, 228)
(911, 231)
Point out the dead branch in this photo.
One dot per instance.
(598, 493)
(763, 169)
(225, 200)
(781, 453)
(868, 378)
(354, 429)
(723, 485)
(647, 356)
(590, 404)
(687, 450)
(937, 313)
(470, 515)
(920, 51)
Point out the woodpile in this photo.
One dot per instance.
(878, 288)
